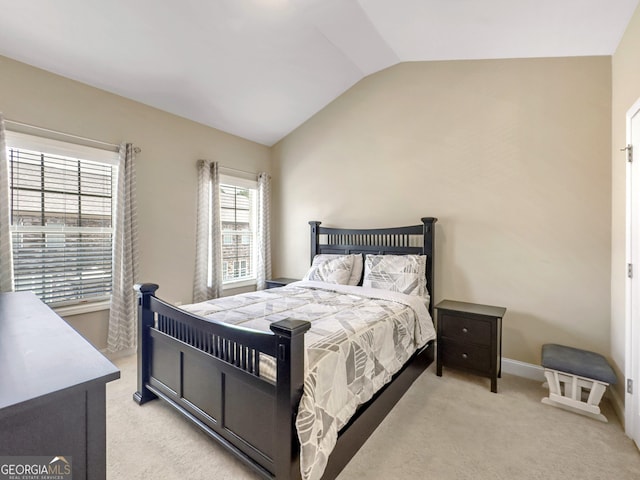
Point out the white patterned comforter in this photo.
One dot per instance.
(359, 338)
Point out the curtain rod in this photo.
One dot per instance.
(222, 167)
(77, 137)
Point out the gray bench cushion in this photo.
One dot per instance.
(577, 362)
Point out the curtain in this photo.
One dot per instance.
(207, 282)
(263, 269)
(123, 314)
(6, 253)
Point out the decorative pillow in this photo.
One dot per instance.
(398, 273)
(356, 271)
(331, 270)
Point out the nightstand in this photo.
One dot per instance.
(280, 282)
(470, 338)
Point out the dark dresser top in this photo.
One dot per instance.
(478, 309)
(41, 354)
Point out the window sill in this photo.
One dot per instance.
(239, 284)
(81, 308)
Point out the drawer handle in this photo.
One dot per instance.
(465, 330)
(464, 355)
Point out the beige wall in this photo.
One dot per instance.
(511, 155)
(625, 92)
(166, 168)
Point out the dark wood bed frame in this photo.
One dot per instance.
(210, 371)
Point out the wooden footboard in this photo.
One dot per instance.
(210, 372)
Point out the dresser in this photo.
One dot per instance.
(52, 388)
(470, 338)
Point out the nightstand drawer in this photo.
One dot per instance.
(472, 357)
(465, 329)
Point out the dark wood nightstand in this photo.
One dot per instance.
(470, 338)
(280, 282)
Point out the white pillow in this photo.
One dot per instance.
(398, 273)
(356, 271)
(331, 270)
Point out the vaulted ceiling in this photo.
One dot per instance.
(260, 68)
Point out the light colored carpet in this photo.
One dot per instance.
(449, 427)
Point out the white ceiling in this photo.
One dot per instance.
(260, 68)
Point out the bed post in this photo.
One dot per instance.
(145, 322)
(429, 239)
(315, 238)
(290, 382)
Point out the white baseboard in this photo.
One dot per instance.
(617, 404)
(118, 354)
(522, 369)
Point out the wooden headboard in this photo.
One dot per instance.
(415, 239)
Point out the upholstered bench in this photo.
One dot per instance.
(573, 374)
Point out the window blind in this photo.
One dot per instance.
(62, 226)
(237, 211)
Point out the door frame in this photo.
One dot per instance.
(632, 332)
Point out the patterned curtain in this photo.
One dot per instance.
(207, 282)
(264, 231)
(6, 254)
(123, 314)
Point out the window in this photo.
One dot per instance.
(61, 218)
(238, 217)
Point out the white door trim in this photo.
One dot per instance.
(632, 405)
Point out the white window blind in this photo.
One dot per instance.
(62, 209)
(238, 217)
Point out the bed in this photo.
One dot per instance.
(246, 381)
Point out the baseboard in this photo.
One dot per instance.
(118, 354)
(522, 369)
(617, 403)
